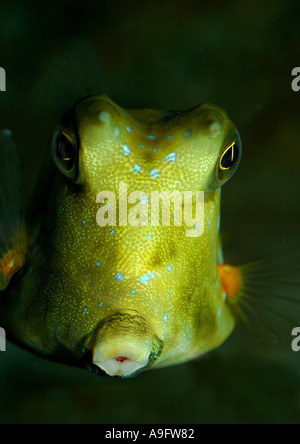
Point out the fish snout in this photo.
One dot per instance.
(124, 344)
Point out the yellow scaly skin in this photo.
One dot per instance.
(78, 274)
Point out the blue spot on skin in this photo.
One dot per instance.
(169, 137)
(155, 150)
(151, 137)
(133, 292)
(143, 146)
(126, 150)
(144, 200)
(165, 318)
(147, 278)
(101, 305)
(99, 264)
(129, 129)
(171, 157)
(85, 311)
(63, 211)
(150, 237)
(84, 223)
(154, 174)
(208, 223)
(171, 291)
(137, 169)
(112, 231)
(170, 268)
(119, 277)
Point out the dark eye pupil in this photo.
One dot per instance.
(230, 156)
(65, 148)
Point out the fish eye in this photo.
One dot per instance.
(65, 153)
(229, 157)
(229, 161)
(65, 148)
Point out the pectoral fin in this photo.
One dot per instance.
(265, 293)
(13, 244)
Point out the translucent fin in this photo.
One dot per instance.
(12, 226)
(268, 300)
(72, 74)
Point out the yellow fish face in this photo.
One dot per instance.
(123, 274)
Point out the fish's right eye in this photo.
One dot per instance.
(65, 154)
(65, 149)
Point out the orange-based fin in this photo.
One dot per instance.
(13, 244)
(265, 293)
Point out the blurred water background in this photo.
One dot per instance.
(173, 55)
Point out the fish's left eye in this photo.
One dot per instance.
(65, 153)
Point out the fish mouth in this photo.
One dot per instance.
(123, 345)
(122, 359)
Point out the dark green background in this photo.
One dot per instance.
(173, 55)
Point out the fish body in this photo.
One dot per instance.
(103, 280)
